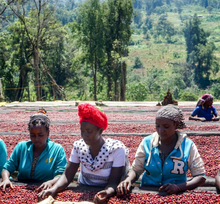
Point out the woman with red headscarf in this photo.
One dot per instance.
(204, 110)
(102, 161)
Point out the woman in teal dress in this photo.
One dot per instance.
(3, 154)
(37, 160)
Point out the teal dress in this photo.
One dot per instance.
(3, 155)
(51, 163)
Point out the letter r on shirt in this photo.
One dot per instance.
(178, 167)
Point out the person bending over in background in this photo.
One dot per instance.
(165, 156)
(204, 110)
(3, 154)
(39, 159)
(102, 162)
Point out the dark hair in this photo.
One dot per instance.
(40, 118)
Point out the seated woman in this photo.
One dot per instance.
(38, 159)
(102, 162)
(165, 156)
(3, 154)
(217, 179)
(204, 110)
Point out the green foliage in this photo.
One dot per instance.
(212, 18)
(194, 36)
(137, 63)
(148, 23)
(152, 80)
(176, 55)
(200, 53)
(136, 92)
(96, 42)
(176, 91)
(161, 10)
(215, 90)
(188, 96)
(152, 4)
(182, 75)
(138, 19)
(164, 28)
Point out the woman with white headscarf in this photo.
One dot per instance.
(165, 156)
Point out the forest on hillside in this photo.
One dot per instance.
(119, 50)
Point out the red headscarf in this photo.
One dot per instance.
(91, 114)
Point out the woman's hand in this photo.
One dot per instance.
(124, 187)
(45, 193)
(215, 119)
(46, 185)
(6, 183)
(102, 196)
(170, 188)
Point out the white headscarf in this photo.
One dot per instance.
(172, 112)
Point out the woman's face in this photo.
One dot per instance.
(90, 133)
(39, 135)
(165, 128)
(208, 103)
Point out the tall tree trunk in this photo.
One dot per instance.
(123, 81)
(21, 83)
(28, 90)
(94, 79)
(109, 78)
(1, 92)
(116, 91)
(36, 68)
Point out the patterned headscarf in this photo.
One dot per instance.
(204, 98)
(172, 112)
(40, 118)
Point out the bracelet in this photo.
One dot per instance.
(177, 187)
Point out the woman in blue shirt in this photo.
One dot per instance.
(38, 159)
(204, 110)
(165, 156)
(3, 154)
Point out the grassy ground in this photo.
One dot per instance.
(156, 55)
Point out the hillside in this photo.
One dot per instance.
(161, 55)
(83, 48)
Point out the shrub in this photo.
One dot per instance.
(136, 92)
(188, 96)
(215, 89)
(137, 63)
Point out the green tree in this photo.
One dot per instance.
(7, 72)
(117, 31)
(137, 63)
(136, 92)
(209, 9)
(38, 26)
(200, 52)
(20, 57)
(152, 4)
(90, 32)
(164, 28)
